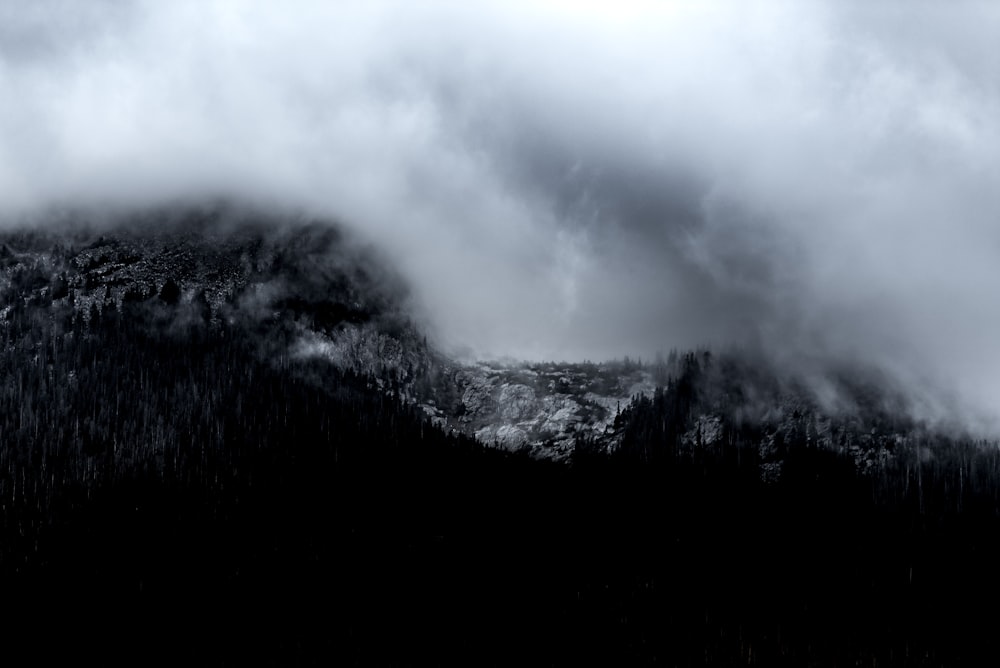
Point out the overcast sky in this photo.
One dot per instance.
(570, 179)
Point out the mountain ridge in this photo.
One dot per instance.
(300, 288)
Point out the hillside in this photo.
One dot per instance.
(229, 433)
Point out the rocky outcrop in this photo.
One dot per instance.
(543, 408)
(516, 402)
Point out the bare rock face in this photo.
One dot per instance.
(516, 402)
(506, 436)
(541, 408)
(558, 415)
(477, 399)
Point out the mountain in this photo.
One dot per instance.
(224, 428)
(316, 295)
(303, 290)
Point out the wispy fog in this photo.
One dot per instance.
(568, 179)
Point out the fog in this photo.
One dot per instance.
(567, 180)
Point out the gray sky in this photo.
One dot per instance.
(571, 179)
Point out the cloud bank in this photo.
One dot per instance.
(567, 180)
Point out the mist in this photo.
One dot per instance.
(567, 180)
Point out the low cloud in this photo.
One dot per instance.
(568, 180)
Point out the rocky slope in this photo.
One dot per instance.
(541, 408)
